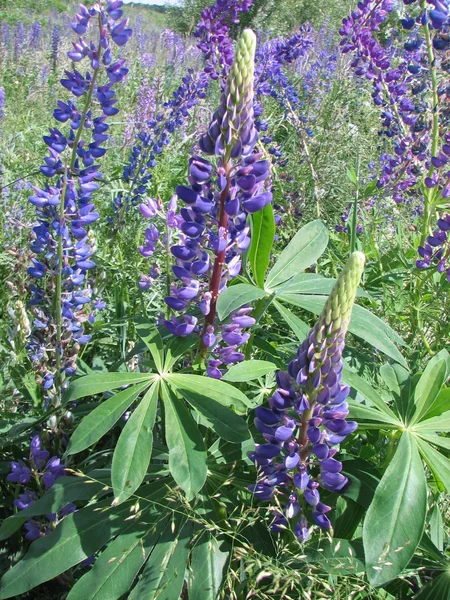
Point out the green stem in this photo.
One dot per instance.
(355, 212)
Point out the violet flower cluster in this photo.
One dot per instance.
(214, 227)
(214, 29)
(38, 474)
(306, 417)
(436, 249)
(62, 242)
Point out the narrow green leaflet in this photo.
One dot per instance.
(365, 389)
(134, 447)
(102, 382)
(363, 323)
(428, 387)
(99, 421)
(364, 479)
(263, 232)
(436, 440)
(440, 405)
(215, 389)
(299, 327)
(437, 528)
(227, 424)
(115, 569)
(78, 536)
(63, 491)
(187, 454)
(163, 574)
(207, 569)
(312, 283)
(440, 423)
(303, 250)
(366, 413)
(177, 348)
(439, 464)
(249, 370)
(395, 520)
(152, 338)
(236, 296)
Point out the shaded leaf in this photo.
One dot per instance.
(152, 339)
(177, 348)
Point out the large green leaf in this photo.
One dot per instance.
(78, 536)
(152, 339)
(439, 464)
(303, 250)
(134, 447)
(115, 569)
(163, 574)
(187, 455)
(227, 424)
(217, 390)
(263, 232)
(235, 296)
(207, 569)
(428, 388)
(64, 490)
(102, 382)
(100, 420)
(395, 520)
(299, 327)
(249, 370)
(363, 324)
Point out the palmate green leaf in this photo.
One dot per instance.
(103, 382)
(103, 418)
(305, 248)
(162, 577)
(64, 490)
(207, 568)
(439, 464)
(236, 296)
(365, 389)
(115, 569)
(187, 454)
(134, 447)
(363, 324)
(263, 232)
(437, 589)
(227, 424)
(79, 535)
(152, 339)
(249, 370)
(215, 389)
(299, 327)
(428, 387)
(395, 520)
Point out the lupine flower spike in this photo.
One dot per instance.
(306, 417)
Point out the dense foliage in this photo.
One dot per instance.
(225, 267)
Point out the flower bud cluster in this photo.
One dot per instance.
(64, 206)
(306, 417)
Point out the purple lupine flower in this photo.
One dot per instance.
(20, 473)
(436, 249)
(2, 103)
(306, 417)
(64, 206)
(25, 500)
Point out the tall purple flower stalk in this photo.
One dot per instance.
(214, 227)
(306, 418)
(410, 85)
(62, 244)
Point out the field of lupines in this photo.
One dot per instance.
(225, 268)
